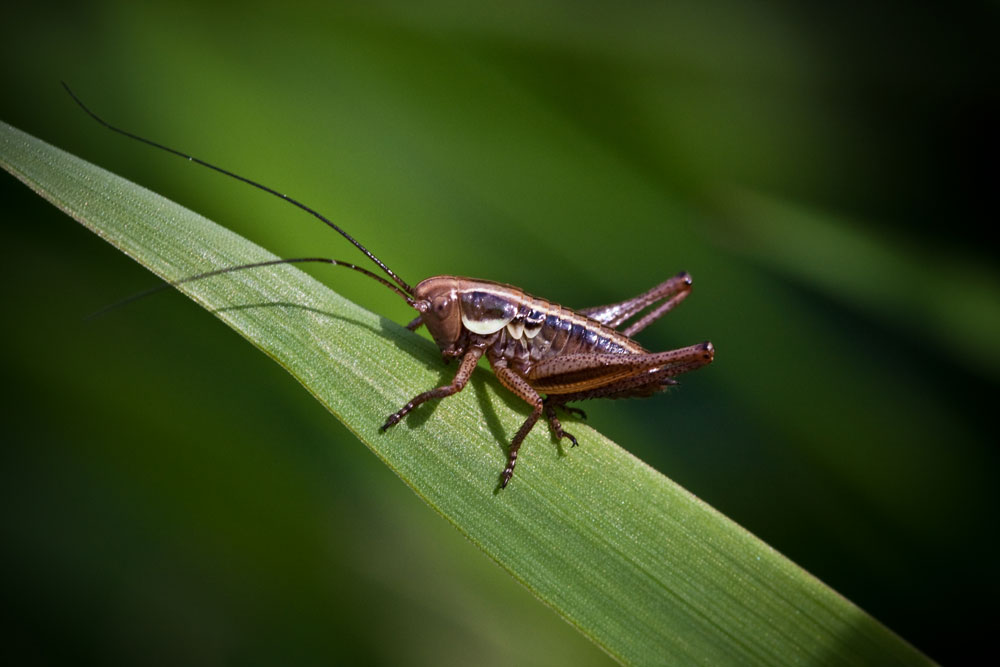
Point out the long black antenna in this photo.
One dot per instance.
(255, 265)
(399, 281)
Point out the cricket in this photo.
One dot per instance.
(546, 354)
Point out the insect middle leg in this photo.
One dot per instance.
(522, 389)
(457, 384)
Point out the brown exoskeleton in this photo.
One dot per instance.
(535, 347)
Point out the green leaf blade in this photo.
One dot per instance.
(646, 570)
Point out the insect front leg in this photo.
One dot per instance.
(457, 384)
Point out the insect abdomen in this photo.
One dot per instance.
(530, 329)
(563, 331)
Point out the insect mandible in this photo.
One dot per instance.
(546, 354)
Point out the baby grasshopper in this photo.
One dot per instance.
(546, 354)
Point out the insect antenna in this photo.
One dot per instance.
(255, 265)
(396, 279)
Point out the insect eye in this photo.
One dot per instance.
(442, 305)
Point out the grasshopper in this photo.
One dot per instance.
(546, 354)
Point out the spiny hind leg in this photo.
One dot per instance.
(671, 292)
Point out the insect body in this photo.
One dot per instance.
(535, 347)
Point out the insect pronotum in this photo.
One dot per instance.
(546, 354)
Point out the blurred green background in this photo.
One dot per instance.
(171, 496)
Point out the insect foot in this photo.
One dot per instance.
(555, 425)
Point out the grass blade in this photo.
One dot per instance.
(639, 565)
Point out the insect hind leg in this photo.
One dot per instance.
(670, 292)
(555, 425)
(568, 409)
